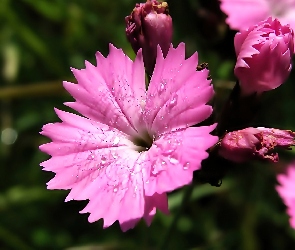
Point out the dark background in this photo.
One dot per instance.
(39, 41)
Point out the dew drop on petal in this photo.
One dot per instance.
(103, 160)
(173, 160)
(142, 103)
(116, 141)
(90, 157)
(173, 101)
(168, 151)
(161, 87)
(115, 190)
(186, 166)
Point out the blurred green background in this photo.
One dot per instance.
(39, 41)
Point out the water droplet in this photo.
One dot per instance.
(90, 157)
(116, 141)
(161, 87)
(142, 103)
(168, 151)
(186, 166)
(173, 101)
(115, 190)
(163, 162)
(103, 160)
(173, 160)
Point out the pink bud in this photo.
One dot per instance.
(264, 54)
(147, 26)
(255, 143)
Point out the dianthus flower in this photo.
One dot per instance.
(244, 13)
(264, 56)
(286, 191)
(133, 145)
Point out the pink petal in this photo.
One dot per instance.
(76, 130)
(286, 191)
(117, 192)
(245, 13)
(244, 44)
(177, 93)
(289, 16)
(116, 86)
(111, 181)
(175, 156)
(159, 201)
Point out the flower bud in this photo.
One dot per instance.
(264, 54)
(148, 25)
(255, 143)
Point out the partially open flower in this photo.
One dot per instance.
(147, 26)
(264, 54)
(286, 191)
(255, 143)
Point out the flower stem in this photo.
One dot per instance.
(238, 111)
(30, 90)
(185, 199)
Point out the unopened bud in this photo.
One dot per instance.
(147, 26)
(255, 143)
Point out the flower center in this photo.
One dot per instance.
(144, 142)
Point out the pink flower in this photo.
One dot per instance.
(255, 143)
(263, 56)
(245, 13)
(132, 145)
(287, 191)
